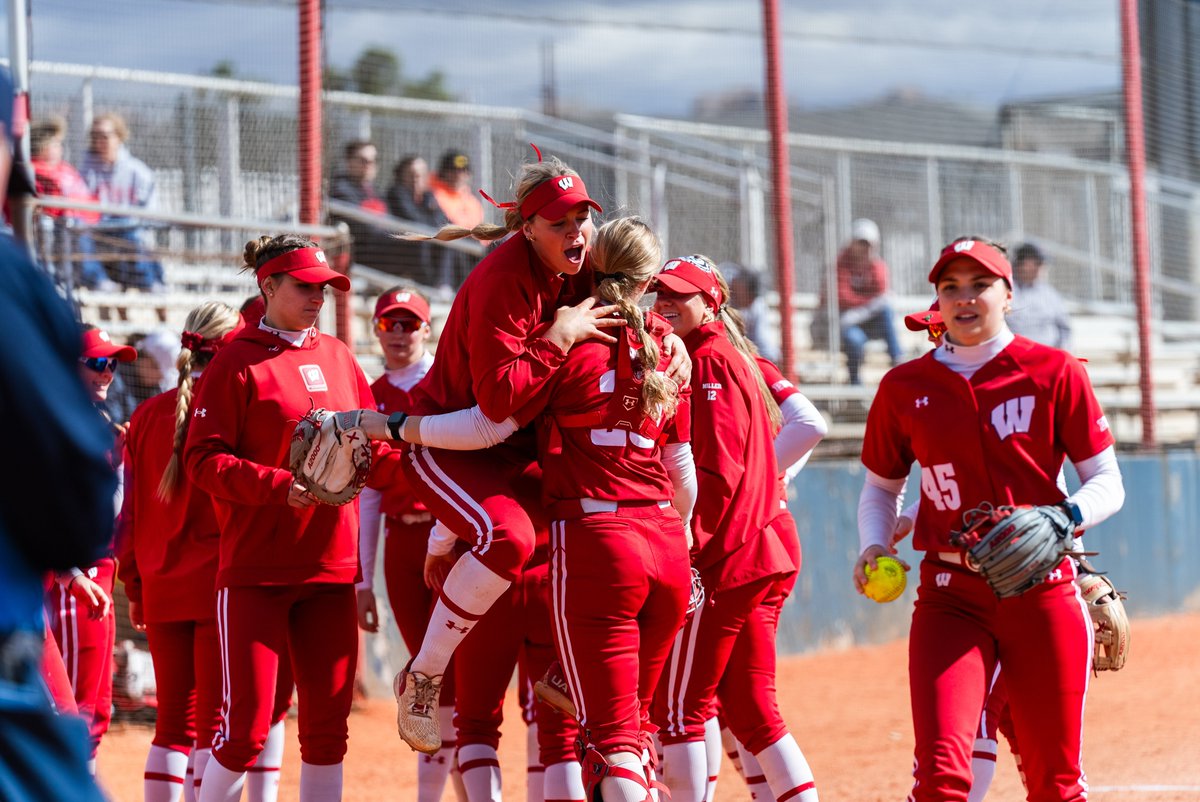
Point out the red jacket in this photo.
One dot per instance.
(737, 492)
(486, 353)
(251, 396)
(167, 550)
(860, 282)
(64, 181)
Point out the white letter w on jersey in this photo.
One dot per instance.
(1013, 416)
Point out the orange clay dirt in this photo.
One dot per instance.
(849, 711)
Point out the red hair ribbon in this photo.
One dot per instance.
(191, 341)
(513, 205)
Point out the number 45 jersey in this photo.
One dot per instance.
(999, 437)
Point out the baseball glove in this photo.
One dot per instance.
(1109, 619)
(1014, 547)
(331, 455)
(697, 596)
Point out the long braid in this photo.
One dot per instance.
(735, 332)
(625, 256)
(210, 321)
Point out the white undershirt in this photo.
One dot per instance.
(965, 360)
(293, 338)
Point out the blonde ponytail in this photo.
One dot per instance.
(210, 320)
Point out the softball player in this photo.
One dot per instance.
(79, 602)
(490, 354)
(287, 567)
(990, 417)
(746, 555)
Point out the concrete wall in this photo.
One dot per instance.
(1151, 549)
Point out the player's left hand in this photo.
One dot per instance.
(904, 525)
(867, 559)
(136, 617)
(368, 612)
(679, 370)
(90, 595)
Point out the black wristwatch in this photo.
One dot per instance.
(1073, 512)
(394, 422)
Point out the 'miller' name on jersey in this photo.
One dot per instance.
(1013, 416)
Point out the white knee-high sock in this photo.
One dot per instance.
(165, 775)
(712, 755)
(753, 775)
(480, 767)
(623, 789)
(563, 782)
(432, 770)
(469, 591)
(320, 783)
(535, 772)
(685, 771)
(220, 784)
(262, 780)
(189, 777)
(787, 771)
(983, 769)
(200, 758)
(730, 745)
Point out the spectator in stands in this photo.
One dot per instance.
(862, 283)
(354, 184)
(453, 191)
(410, 198)
(55, 177)
(1038, 311)
(115, 177)
(153, 369)
(745, 295)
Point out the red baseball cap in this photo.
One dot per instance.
(97, 343)
(923, 321)
(401, 300)
(304, 264)
(689, 274)
(554, 197)
(978, 252)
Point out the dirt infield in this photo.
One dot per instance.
(849, 711)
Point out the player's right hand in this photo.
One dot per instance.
(437, 567)
(867, 558)
(584, 321)
(91, 596)
(299, 497)
(368, 612)
(136, 617)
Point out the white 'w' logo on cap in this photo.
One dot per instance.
(965, 245)
(566, 182)
(321, 257)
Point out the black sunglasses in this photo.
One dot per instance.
(101, 363)
(405, 324)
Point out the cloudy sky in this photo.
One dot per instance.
(641, 56)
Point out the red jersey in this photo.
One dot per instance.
(733, 444)
(397, 497)
(167, 550)
(64, 181)
(781, 389)
(1000, 437)
(247, 404)
(619, 456)
(486, 354)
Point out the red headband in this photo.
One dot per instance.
(305, 264)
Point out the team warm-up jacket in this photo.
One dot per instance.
(1026, 409)
(486, 354)
(167, 550)
(736, 475)
(247, 405)
(397, 498)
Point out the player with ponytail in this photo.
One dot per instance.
(746, 555)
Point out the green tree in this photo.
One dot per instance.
(431, 87)
(335, 79)
(376, 71)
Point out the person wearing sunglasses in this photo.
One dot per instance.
(402, 324)
(79, 603)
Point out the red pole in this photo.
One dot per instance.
(781, 194)
(308, 145)
(1135, 153)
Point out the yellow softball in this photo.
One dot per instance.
(887, 581)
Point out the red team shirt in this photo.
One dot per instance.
(250, 398)
(736, 474)
(609, 464)
(1000, 437)
(167, 551)
(397, 497)
(486, 353)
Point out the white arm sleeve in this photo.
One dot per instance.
(803, 428)
(878, 507)
(464, 430)
(369, 517)
(910, 512)
(1103, 491)
(677, 459)
(441, 539)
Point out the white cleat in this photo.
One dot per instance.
(417, 710)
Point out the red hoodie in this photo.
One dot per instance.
(247, 405)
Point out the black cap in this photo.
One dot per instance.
(1028, 250)
(454, 160)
